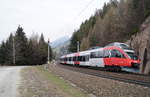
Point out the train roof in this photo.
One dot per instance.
(87, 52)
(82, 52)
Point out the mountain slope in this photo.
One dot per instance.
(59, 41)
(60, 46)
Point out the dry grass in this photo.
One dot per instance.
(38, 82)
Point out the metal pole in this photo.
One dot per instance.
(78, 48)
(48, 52)
(14, 52)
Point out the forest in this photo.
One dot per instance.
(118, 20)
(28, 51)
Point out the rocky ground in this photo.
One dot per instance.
(100, 87)
(38, 82)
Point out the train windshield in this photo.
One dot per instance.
(132, 55)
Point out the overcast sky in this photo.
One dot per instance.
(53, 18)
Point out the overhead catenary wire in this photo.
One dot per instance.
(75, 18)
(90, 2)
(80, 12)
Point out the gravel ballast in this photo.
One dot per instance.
(101, 87)
(38, 82)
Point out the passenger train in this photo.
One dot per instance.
(108, 57)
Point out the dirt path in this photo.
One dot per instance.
(9, 80)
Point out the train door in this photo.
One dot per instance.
(76, 59)
(96, 59)
(106, 56)
(84, 60)
(117, 58)
(65, 60)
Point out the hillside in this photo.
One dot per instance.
(117, 21)
(60, 46)
(59, 41)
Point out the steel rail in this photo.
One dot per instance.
(89, 72)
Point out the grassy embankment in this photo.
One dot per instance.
(66, 87)
(61, 84)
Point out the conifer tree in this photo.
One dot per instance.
(21, 47)
(9, 50)
(3, 53)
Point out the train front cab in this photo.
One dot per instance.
(116, 57)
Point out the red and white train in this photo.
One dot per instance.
(111, 56)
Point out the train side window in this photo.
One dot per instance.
(114, 53)
(79, 58)
(87, 58)
(92, 55)
(117, 54)
(74, 58)
(84, 58)
(98, 54)
(66, 59)
(106, 54)
(69, 58)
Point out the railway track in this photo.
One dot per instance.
(138, 79)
